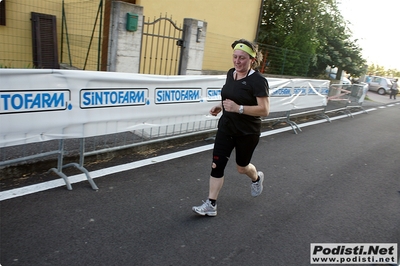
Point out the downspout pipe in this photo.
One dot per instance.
(259, 19)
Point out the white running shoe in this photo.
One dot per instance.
(257, 187)
(206, 209)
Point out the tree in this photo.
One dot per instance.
(378, 70)
(315, 28)
(336, 44)
(286, 23)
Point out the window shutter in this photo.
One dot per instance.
(3, 12)
(44, 41)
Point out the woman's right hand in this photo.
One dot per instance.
(215, 110)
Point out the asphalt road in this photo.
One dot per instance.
(332, 183)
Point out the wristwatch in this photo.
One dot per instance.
(241, 109)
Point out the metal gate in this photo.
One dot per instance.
(161, 47)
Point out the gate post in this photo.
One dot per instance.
(124, 46)
(192, 51)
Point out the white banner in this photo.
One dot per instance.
(39, 104)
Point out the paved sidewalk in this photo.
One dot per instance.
(375, 98)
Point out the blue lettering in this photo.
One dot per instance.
(46, 100)
(177, 95)
(36, 102)
(131, 97)
(167, 96)
(312, 91)
(324, 91)
(92, 98)
(14, 103)
(138, 97)
(98, 98)
(86, 98)
(196, 95)
(106, 94)
(6, 97)
(282, 92)
(159, 96)
(113, 97)
(299, 91)
(28, 99)
(124, 97)
(213, 93)
(58, 101)
(33, 100)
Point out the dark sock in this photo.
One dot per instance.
(258, 179)
(213, 202)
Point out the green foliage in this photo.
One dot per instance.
(314, 28)
(282, 61)
(378, 70)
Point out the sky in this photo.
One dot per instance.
(376, 25)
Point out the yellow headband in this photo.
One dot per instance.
(244, 47)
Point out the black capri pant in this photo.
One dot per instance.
(223, 146)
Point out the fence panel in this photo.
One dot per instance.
(81, 39)
(281, 61)
(276, 60)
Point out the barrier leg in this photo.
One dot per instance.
(81, 161)
(349, 113)
(287, 120)
(61, 174)
(79, 166)
(325, 116)
(291, 123)
(86, 172)
(60, 159)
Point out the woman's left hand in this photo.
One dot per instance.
(230, 106)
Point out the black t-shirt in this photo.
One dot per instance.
(242, 92)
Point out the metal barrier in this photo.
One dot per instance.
(340, 98)
(357, 96)
(286, 119)
(344, 97)
(15, 155)
(289, 115)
